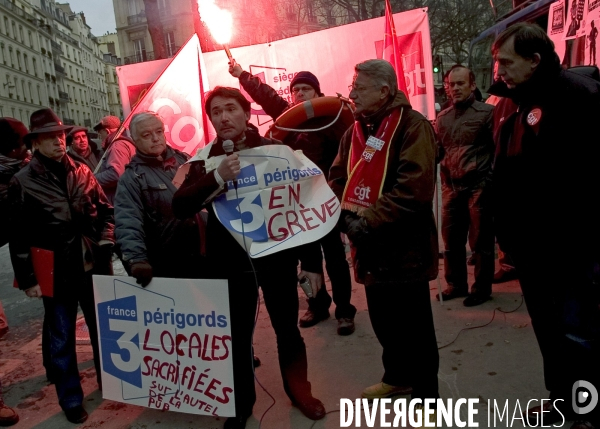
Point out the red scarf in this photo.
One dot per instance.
(368, 162)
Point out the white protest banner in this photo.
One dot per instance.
(282, 200)
(333, 54)
(166, 346)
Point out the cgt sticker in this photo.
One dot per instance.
(534, 116)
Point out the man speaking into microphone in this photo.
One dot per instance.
(229, 112)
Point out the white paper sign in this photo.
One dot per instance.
(282, 201)
(166, 346)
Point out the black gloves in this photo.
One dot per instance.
(142, 271)
(346, 218)
(355, 227)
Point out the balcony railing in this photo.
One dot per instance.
(67, 38)
(139, 58)
(17, 10)
(63, 96)
(68, 121)
(148, 56)
(140, 18)
(56, 46)
(60, 70)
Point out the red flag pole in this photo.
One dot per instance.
(204, 115)
(391, 52)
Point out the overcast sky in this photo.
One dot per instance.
(99, 14)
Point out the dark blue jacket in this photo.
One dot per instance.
(146, 228)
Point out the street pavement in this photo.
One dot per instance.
(486, 352)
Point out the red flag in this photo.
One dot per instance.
(391, 51)
(178, 96)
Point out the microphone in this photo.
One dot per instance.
(228, 149)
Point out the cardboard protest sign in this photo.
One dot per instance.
(282, 200)
(166, 346)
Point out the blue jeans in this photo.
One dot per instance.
(60, 318)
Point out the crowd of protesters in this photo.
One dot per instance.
(521, 168)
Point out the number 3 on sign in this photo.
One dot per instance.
(247, 207)
(129, 330)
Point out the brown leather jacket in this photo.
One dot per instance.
(465, 134)
(403, 246)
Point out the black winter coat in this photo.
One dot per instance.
(546, 174)
(320, 147)
(146, 228)
(8, 168)
(58, 215)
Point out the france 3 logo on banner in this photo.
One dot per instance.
(282, 200)
(244, 215)
(120, 340)
(166, 346)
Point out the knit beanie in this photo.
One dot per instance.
(307, 78)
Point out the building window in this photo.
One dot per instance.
(170, 43)
(30, 40)
(14, 30)
(164, 8)
(139, 47)
(21, 35)
(25, 62)
(133, 7)
(6, 26)
(34, 66)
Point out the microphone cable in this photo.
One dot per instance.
(234, 181)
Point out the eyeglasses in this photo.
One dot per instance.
(296, 89)
(354, 88)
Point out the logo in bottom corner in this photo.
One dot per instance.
(119, 338)
(585, 397)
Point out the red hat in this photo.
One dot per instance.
(108, 123)
(12, 132)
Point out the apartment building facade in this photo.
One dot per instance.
(50, 58)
